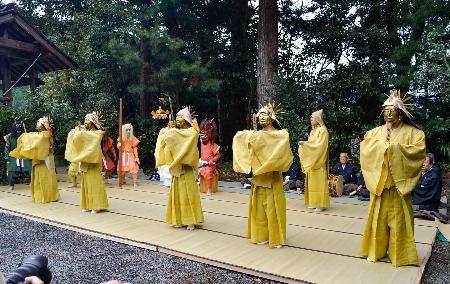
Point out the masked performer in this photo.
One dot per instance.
(130, 157)
(177, 147)
(313, 158)
(38, 146)
(267, 154)
(84, 147)
(209, 154)
(391, 159)
(108, 165)
(15, 167)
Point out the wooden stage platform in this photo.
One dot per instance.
(321, 247)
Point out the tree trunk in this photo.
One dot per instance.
(6, 80)
(219, 119)
(267, 50)
(239, 37)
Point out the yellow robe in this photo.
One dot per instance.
(391, 171)
(266, 154)
(84, 146)
(313, 158)
(36, 146)
(178, 149)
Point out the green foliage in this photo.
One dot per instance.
(147, 133)
(354, 52)
(431, 87)
(342, 56)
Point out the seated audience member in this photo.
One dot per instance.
(154, 176)
(246, 181)
(427, 193)
(361, 191)
(345, 169)
(293, 178)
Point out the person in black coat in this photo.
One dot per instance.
(293, 178)
(427, 193)
(345, 169)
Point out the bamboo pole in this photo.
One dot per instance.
(119, 167)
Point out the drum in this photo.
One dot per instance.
(336, 186)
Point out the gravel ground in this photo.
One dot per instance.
(79, 258)
(438, 267)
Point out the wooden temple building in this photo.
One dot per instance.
(21, 45)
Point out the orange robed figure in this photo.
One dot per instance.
(130, 157)
(209, 154)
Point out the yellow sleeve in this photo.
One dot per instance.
(270, 151)
(372, 150)
(241, 152)
(314, 153)
(32, 145)
(180, 148)
(84, 146)
(159, 149)
(406, 158)
(405, 155)
(68, 155)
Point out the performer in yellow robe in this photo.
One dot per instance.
(313, 158)
(177, 147)
(84, 147)
(391, 160)
(38, 146)
(73, 172)
(267, 154)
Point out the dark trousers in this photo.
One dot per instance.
(293, 185)
(14, 175)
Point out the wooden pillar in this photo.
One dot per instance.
(6, 80)
(6, 74)
(119, 165)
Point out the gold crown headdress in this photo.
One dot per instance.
(273, 110)
(96, 119)
(46, 122)
(395, 99)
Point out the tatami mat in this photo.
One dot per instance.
(321, 248)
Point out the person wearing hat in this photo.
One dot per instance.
(391, 158)
(38, 146)
(313, 158)
(177, 148)
(266, 153)
(130, 157)
(84, 147)
(15, 167)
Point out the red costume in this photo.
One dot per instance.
(108, 164)
(209, 154)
